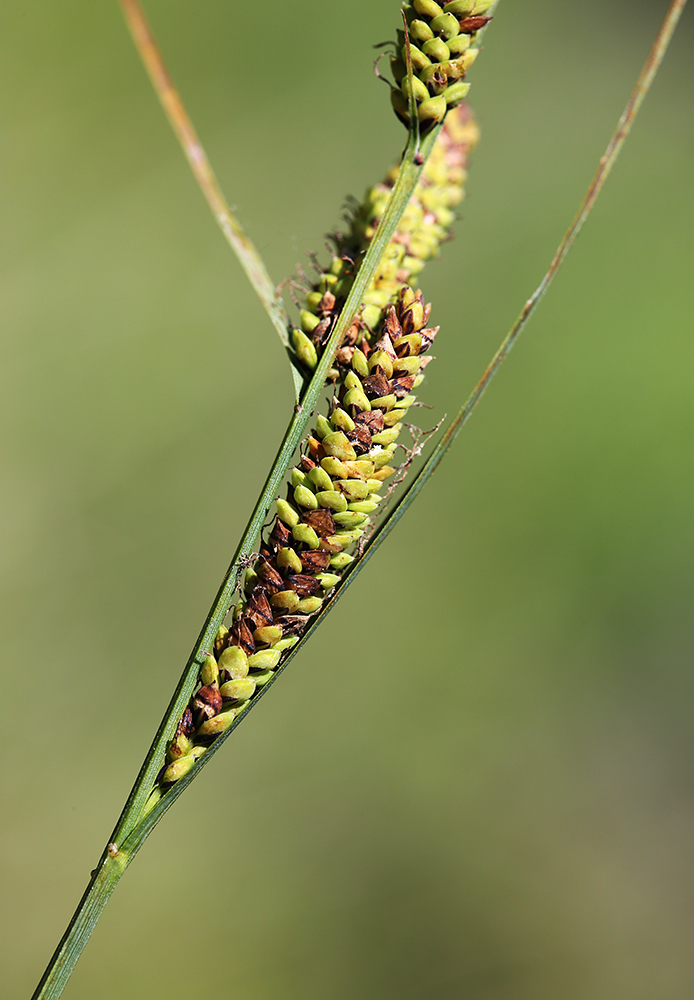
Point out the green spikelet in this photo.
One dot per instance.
(442, 49)
(334, 492)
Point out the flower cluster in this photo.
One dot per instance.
(335, 488)
(442, 50)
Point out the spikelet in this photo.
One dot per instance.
(335, 490)
(442, 49)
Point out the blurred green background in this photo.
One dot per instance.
(476, 781)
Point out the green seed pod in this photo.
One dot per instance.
(460, 8)
(263, 677)
(459, 45)
(313, 301)
(393, 416)
(385, 473)
(374, 485)
(338, 445)
(341, 420)
(432, 110)
(328, 580)
(383, 457)
(420, 91)
(305, 498)
(427, 8)
(357, 397)
(287, 514)
(284, 644)
(407, 346)
(382, 360)
(309, 322)
(268, 634)
(177, 769)
(198, 752)
(309, 605)
(234, 661)
(387, 436)
(418, 381)
(322, 427)
(240, 690)
(445, 26)
(180, 746)
(420, 31)
(419, 60)
(438, 52)
(410, 366)
(348, 537)
(305, 350)
(363, 506)
(209, 672)
(319, 479)
(353, 489)
(218, 724)
(306, 534)
(341, 560)
(334, 467)
(371, 315)
(359, 363)
(332, 500)
(482, 6)
(265, 659)
(288, 559)
(250, 579)
(352, 381)
(384, 403)
(456, 93)
(155, 796)
(349, 519)
(297, 477)
(285, 600)
(361, 469)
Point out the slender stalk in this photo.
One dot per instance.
(250, 259)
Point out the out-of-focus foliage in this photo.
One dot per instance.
(490, 795)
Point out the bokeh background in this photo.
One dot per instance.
(476, 782)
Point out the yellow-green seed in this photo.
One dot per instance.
(427, 8)
(349, 519)
(432, 110)
(305, 533)
(341, 560)
(240, 690)
(180, 746)
(319, 479)
(410, 366)
(458, 45)
(332, 500)
(371, 315)
(353, 489)
(234, 661)
(198, 752)
(359, 363)
(334, 467)
(364, 506)
(309, 322)
(209, 672)
(285, 600)
(383, 361)
(361, 469)
(177, 769)
(341, 420)
(352, 381)
(309, 605)
(445, 25)
(420, 31)
(388, 435)
(456, 93)
(262, 678)
(287, 514)
(420, 91)
(437, 50)
(288, 559)
(419, 59)
(285, 644)
(357, 397)
(264, 659)
(328, 580)
(384, 402)
(306, 498)
(322, 427)
(383, 457)
(460, 8)
(374, 485)
(338, 445)
(305, 350)
(218, 723)
(297, 477)
(393, 416)
(268, 634)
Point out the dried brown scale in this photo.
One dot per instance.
(334, 489)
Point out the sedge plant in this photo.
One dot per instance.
(346, 470)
